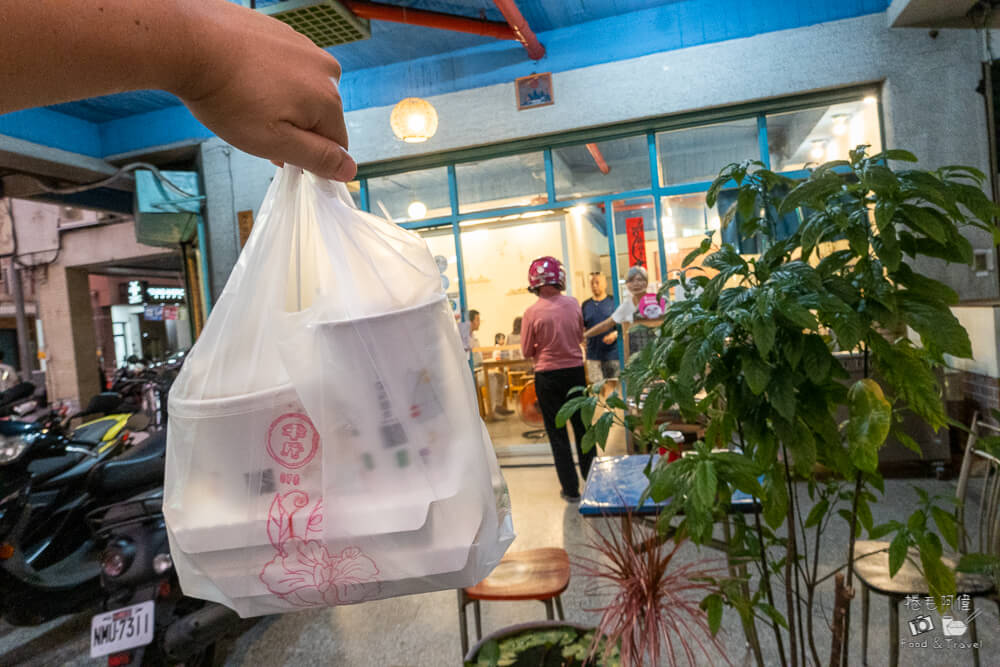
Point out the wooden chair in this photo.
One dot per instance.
(536, 574)
(871, 559)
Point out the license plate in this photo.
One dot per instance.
(121, 629)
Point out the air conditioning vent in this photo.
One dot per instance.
(325, 22)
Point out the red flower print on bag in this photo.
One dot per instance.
(303, 572)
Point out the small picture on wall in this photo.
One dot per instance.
(534, 91)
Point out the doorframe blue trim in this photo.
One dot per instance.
(457, 235)
(550, 175)
(654, 178)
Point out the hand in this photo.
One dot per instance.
(266, 89)
(610, 338)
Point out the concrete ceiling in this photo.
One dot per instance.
(943, 13)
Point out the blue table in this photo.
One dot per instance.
(615, 484)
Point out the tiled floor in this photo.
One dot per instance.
(422, 630)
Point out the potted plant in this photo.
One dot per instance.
(754, 350)
(654, 609)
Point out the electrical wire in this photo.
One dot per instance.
(131, 166)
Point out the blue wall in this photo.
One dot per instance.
(81, 127)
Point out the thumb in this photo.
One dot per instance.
(317, 154)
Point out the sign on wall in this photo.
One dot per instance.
(534, 91)
(139, 292)
(635, 230)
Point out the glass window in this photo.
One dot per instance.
(441, 242)
(354, 187)
(517, 180)
(799, 139)
(410, 196)
(698, 154)
(601, 168)
(636, 241)
(685, 220)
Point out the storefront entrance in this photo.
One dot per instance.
(600, 200)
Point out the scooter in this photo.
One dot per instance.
(140, 583)
(49, 480)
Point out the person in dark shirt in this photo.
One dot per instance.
(602, 351)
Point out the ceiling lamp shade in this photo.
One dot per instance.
(414, 120)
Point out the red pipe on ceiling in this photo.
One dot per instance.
(595, 152)
(522, 31)
(428, 19)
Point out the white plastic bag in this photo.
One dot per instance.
(324, 444)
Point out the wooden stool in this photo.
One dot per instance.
(536, 574)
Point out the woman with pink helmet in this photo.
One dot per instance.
(551, 334)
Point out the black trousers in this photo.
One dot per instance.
(552, 389)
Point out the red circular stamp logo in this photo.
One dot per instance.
(292, 440)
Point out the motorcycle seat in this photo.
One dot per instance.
(91, 434)
(42, 469)
(141, 466)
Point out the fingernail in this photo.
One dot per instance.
(347, 170)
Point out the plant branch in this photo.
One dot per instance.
(791, 602)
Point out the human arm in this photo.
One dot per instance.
(527, 337)
(610, 338)
(252, 80)
(600, 328)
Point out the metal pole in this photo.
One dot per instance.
(24, 354)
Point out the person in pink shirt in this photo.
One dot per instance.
(551, 334)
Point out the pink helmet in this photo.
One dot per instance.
(546, 271)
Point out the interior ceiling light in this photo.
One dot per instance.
(840, 124)
(414, 120)
(818, 149)
(416, 210)
(871, 99)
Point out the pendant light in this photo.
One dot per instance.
(414, 120)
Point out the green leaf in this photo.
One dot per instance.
(895, 154)
(816, 359)
(796, 313)
(705, 484)
(979, 563)
(775, 505)
(615, 402)
(924, 221)
(865, 514)
(570, 408)
(794, 349)
(817, 513)
(869, 423)
(757, 373)
(947, 526)
(489, 654)
(763, 330)
(938, 327)
(746, 203)
(781, 391)
(878, 532)
(713, 608)
(810, 190)
(897, 552)
(702, 248)
(773, 613)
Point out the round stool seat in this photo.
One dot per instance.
(535, 574)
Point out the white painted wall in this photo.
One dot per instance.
(982, 323)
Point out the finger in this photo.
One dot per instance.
(317, 154)
(330, 115)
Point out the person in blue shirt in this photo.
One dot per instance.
(602, 351)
